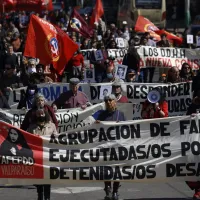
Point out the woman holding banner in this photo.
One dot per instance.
(43, 126)
(39, 102)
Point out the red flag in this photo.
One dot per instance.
(170, 36)
(8, 2)
(78, 24)
(49, 43)
(97, 12)
(144, 25)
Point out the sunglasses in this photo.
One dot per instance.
(8, 68)
(108, 100)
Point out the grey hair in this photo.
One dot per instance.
(37, 96)
(110, 96)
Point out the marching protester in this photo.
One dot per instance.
(163, 78)
(110, 75)
(100, 65)
(155, 106)
(42, 127)
(132, 59)
(195, 105)
(3, 101)
(72, 98)
(111, 114)
(28, 100)
(174, 75)
(186, 73)
(163, 42)
(194, 108)
(117, 91)
(40, 76)
(9, 79)
(30, 117)
(77, 64)
(131, 76)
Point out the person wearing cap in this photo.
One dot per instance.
(72, 98)
(9, 80)
(42, 127)
(30, 117)
(117, 90)
(111, 114)
(159, 109)
(131, 76)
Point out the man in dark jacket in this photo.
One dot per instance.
(10, 80)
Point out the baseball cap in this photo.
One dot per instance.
(74, 81)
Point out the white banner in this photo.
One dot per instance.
(178, 95)
(165, 149)
(69, 119)
(156, 57)
(168, 57)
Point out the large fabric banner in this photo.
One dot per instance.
(168, 57)
(156, 57)
(165, 149)
(178, 95)
(69, 119)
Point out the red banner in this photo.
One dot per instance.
(21, 154)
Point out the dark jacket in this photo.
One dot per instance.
(4, 102)
(27, 100)
(111, 116)
(194, 106)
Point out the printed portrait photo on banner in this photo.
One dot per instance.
(89, 75)
(98, 55)
(105, 91)
(121, 71)
(16, 148)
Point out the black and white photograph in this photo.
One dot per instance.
(105, 91)
(98, 55)
(89, 75)
(121, 71)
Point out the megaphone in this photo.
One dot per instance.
(153, 96)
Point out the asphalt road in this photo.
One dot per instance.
(94, 191)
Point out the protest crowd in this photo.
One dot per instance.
(115, 61)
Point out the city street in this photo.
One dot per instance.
(94, 191)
